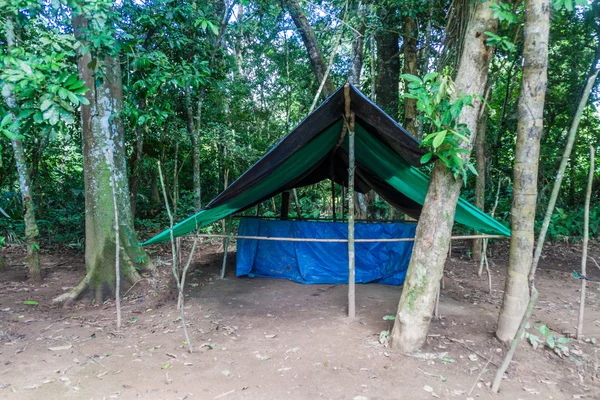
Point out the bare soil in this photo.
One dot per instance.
(274, 339)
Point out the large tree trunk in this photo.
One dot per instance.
(102, 129)
(527, 151)
(31, 228)
(388, 67)
(480, 161)
(410, 67)
(315, 56)
(433, 231)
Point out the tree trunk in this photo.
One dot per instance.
(527, 151)
(388, 68)
(136, 168)
(31, 228)
(410, 67)
(194, 132)
(315, 56)
(356, 59)
(102, 128)
(433, 233)
(480, 166)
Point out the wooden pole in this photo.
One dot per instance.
(351, 167)
(333, 198)
(225, 248)
(586, 230)
(288, 239)
(285, 205)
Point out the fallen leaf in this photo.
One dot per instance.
(271, 336)
(60, 348)
(167, 365)
(30, 303)
(226, 372)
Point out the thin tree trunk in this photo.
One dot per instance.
(102, 128)
(544, 21)
(527, 151)
(388, 68)
(356, 60)
(136, 170)
(410, 67)
(480, 166)
(586, 229)
(31, 228)
(315, 56)
(433, 233)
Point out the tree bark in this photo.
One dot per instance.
(434, 229)
(136, 168)
(410, 67)
(31, 228)
(480, 161)
(194, 132)
(102, 128)
(527, 151)
(315, 56)
(356, 59)
(388, 67)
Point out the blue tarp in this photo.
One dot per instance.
(323, 263)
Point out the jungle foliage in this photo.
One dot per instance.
(214, 84)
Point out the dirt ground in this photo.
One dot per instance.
(275, 339)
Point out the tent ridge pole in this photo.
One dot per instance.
(351, 167)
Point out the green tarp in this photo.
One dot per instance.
(386, 156)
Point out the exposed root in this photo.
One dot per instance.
(131, 275)
(72, 295)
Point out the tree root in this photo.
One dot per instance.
(69, 297)
(132, 276)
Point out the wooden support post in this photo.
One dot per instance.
(258, 210)
(178, 251)
(285, 205)
(351, 167)
(333, 200)
(224, 258)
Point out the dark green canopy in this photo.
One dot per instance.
(386, 160)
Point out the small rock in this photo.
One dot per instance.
(473, 357)
(428, 389)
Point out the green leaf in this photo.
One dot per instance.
(543, 330)
(439, 139)
(430, 76)
(411, 78)
(167, 365)
(30, 303)
(73, 98)
(425, 159)
(63, 93)
(71, 80)
(45, 104)
(5, 121)
(550, 341)
(83, 100)
(389, 317)
(563, 340)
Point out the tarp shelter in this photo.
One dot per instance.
(387, 157)
(323, 263)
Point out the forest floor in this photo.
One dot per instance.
(275, 339)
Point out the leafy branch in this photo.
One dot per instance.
(440, 107)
